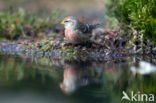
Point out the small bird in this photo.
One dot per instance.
(76, 31)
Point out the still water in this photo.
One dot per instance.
(38, 79)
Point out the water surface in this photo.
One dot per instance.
(38, 79)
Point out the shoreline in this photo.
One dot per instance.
(105, 54)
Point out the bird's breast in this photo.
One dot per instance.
(71, 35)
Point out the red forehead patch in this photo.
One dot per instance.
(67, 18)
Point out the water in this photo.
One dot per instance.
(37, 79)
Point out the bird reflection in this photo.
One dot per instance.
(77, 74)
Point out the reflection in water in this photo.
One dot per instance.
(144, 68)
(46, 80)
(77, 74)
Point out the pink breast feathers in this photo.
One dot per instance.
(70, 35)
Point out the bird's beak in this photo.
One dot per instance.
(62, 22)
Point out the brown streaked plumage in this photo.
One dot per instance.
(77, 31)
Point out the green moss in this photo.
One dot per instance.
(68, 50)
(71, 52)
(44, 45)
(136, 15)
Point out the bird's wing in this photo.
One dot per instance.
(88, 28)
(94, 26)
(83, 28)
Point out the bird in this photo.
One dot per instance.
(77, 31)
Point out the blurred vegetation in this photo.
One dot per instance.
(136, 17)
(13, 70)
(20, 23)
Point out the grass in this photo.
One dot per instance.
(137, 17)
(20, 23)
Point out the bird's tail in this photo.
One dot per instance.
(94, 26)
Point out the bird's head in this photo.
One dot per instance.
(70, 22)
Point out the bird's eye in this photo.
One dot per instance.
(66, 21)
